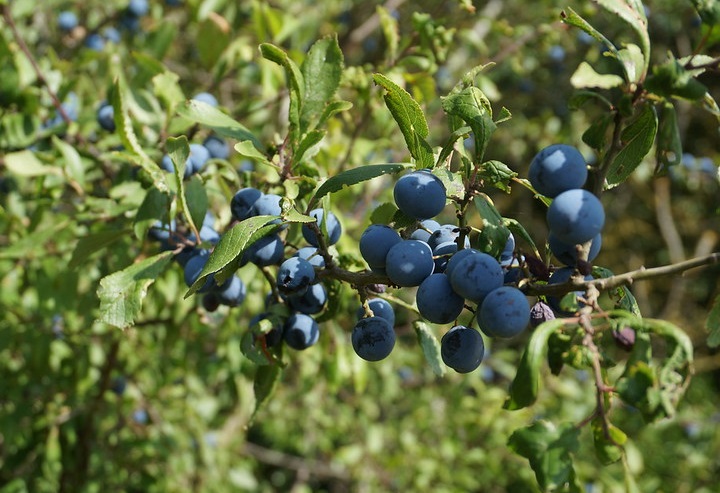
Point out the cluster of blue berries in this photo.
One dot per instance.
(446, 276)
(574, 217)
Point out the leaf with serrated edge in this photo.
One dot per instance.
(232, 244)
(526, 384)
(248, 150)
(410, 118)
(322, 70)
(121, 293)
(430, 346)
(634, 15)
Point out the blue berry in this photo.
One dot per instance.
(409, 262)
(310, 302)
(557, 168)
(375, 242)
(420, 194)
(333, 228)
(312, 255)
(373, 338)
(243, 202)
(207, 98)
(566, 252)
(295, 275)
(268, 250)
(436, 300)
(462, 349)
(476, 275)
(67, 21)
(233, 294)
(576, 216)
(217, 147)
(505, 312)
(301, 331)
(380, 308)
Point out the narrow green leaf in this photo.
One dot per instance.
(430, 346)
(331, 109)
(121, 294)
(74, 169)
(232, 244)
(549, 449)
(322, 70)
(95, 242)
(124, 128)
(569, 16)
(410, 118)
(178, 149)
(519, 231)
(26, 163)
(310, 140)
(197, 200)
(354, 176)
(608, 445)
(213, 118)
(668, 145)
(596, 134)
(473, 108)
(526, 384)
(712, 324)
(266, 380)
(585, 76)
(247, 149)
(637, 138)
(295, 78)
(391, 32)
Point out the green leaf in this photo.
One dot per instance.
(632, 12)
(712, 324)
(473, 108)
(608, 443)
(155, 206)
(167, 89)
(585, 76)
(178, 149)
(212, 38)
(668, 145)
(310, 140)
(124, 129)
(497, 173)
(621, 295)
(331, 109)
(295, 78)
(410, 118)
(74, 169)
(430, 346)
(633, 62)
(569, 16)
(526, 384)
(389, 25)
(266, 380)
(383, 214)
(90, 244)
(637, 138)
(672, 79)
(26, 163)
(708, 10)
(232, 244)
(494, 233)
(213, 118)
(549, 449)
(197, 200)
(322, 70)
(354, 176)
(247, 149)
(121, 294)
(596, 134)
(519, 231)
